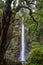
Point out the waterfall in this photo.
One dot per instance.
(22, 42)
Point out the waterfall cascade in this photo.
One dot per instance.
(22, 42)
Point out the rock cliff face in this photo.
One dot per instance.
(15, 44)
(14, 47)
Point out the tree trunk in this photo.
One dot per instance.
(5, 25)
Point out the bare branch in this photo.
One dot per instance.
(23, 6)
(28, 2)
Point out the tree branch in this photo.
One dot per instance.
(23, 6)
(28, 2)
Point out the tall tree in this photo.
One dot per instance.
(5, 25)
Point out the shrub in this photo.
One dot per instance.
(35, 57)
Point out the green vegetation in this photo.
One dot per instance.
(35, 57)
(10, 36)
(2, 4)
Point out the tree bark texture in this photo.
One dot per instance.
(5, 25)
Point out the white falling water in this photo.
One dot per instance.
(22, 42)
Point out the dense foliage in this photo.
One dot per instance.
(35, 57)
(32, 11)
(2, 4)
